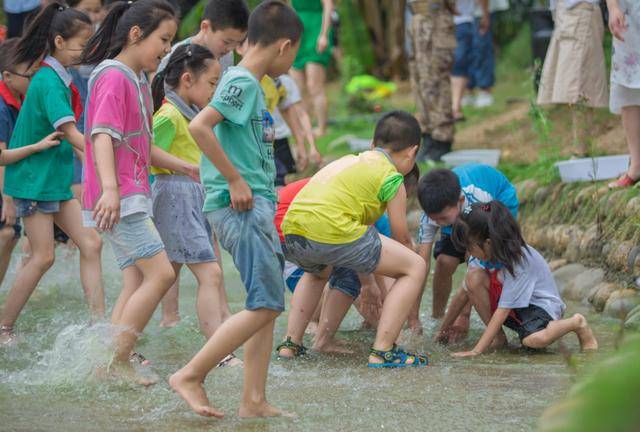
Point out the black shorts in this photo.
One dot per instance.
(445, 246)
(529, 320)
(285, 164)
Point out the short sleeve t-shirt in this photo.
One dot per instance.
(343, 199)
(531, 284)
(480, 183)
(466, 11)
(246, 136)
(285, 198)
(171, 134)
(46, 175)
(120, 106)
(9, 108)
(293, 97)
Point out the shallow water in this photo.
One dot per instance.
(47, 384)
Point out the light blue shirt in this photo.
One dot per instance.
(479, 183)
(19, 6)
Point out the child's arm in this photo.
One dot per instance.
(201, 129)
(8, 157)
(617, 20)
(323, 38)
(458, 302)
(73, 135)
(107, 211)
(485, 21)
(397, 211)
(497, 320)
(163, 159)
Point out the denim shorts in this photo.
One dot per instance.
(342, 279)
(464, 50)
(134, 238)
(25, 207)
(361, 255)
(251, 239)
(77, 170)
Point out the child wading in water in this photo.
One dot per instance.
(238, 174)
(328, 229)
(41, 183)
(190, 79)
(13, 88)
(522, 295)
(116, 198)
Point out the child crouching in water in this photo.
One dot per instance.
(521, 294)
(328, 229)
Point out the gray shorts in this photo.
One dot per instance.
(362, 255)
(134, 238)
(178, 215)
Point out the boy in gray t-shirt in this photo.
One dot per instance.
(518, 291)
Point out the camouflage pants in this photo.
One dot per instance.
(434, 43)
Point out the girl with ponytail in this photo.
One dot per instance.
(41, 183)
(516, 288)
(116, 198)
(180, 91)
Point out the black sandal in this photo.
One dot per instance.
(298, 350)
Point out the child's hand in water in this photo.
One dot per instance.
(241, 195)
(107, 211)
(463, 354)
(49, 141)
(442, 336)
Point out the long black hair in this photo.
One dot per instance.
(491, 221)
(188, 57)
(56, 19)
(113, 34)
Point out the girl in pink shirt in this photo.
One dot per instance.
(132, 40)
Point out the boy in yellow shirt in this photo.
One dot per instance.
(328, 227)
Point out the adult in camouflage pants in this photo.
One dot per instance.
(432, 34)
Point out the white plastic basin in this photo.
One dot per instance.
(461, 157)
(590, 169)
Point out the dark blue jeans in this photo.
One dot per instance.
(474, 56)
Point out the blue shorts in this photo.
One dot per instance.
(251, 239)
(77, 170)
(342, 279)
(134, 238)
(25, 207)
(464, 57)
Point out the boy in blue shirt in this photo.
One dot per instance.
(238, 173)
(443, 195)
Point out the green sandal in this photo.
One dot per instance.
(397, 358)
(298, 350)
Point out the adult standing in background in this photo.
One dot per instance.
(17, 12)
(314, 55)
(574, 71)
(433, 45)
(624, 22)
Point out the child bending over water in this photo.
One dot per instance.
(519, 293)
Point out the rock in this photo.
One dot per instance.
(541, 194)
(526, 189)
(616, 198)
(632, 322)
(566, 273)
(591, 244)
(579, 287)
(557, 263)
(621, 302)
(584, 196)
(601, 293)
(618, 255)
(632, 208)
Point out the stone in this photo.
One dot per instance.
(600, 294)
(584, 196)
(566, 273)
(619, 254)
(557, 263)
(591, 244)
(632, 322)
(526, 189)
(579, 287)
(621, 302)
(632, 208)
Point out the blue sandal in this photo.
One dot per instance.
(397, 358)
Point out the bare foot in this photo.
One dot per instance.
(459, 329)
(415, 327)
(318, 133)
(7, 338)
(192, 391)
(333, 347)
(312, 328)
(286, 353)
(124, 372)
(262, 410)
(169, 322)
(585, 335)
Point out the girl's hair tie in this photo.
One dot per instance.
(62, 8)
(189, 52)
(486, 207)
(467, 211)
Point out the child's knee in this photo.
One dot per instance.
(43, 260)
(536, 340)
(92, 244)
(447, 264)
(7, 235)
(164, 276)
